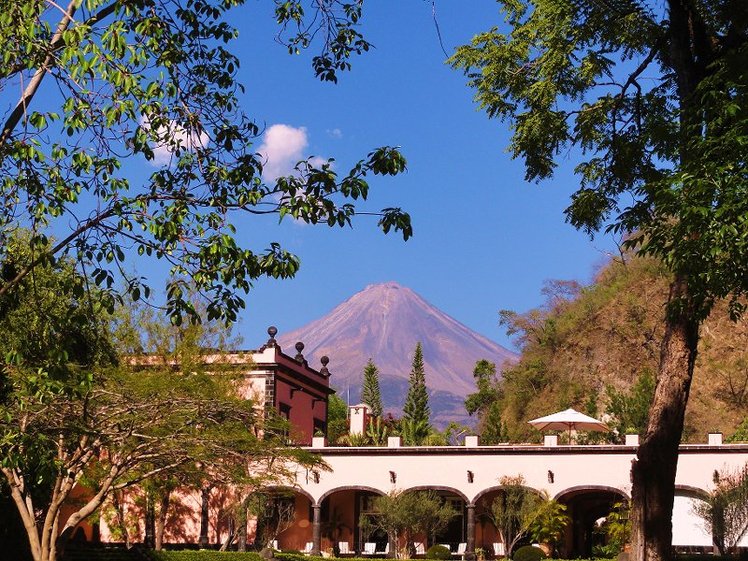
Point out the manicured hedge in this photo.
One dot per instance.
(529, 553)
(438, 551)
(706, 557)
(286, 556)
(210, 555)
(204, 555)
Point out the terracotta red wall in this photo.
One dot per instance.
(296, 537)
(303, 409)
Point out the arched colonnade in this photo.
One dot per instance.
(334, 517)
(589, 480)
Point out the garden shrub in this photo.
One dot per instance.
(293, 556)
(528, 553)
(438, 552)
(203, 555)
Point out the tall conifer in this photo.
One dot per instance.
(370, 393)
(416, 411)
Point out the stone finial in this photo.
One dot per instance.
(299, 347)
(272, 332)
(324, 371)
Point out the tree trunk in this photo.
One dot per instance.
(120, 521)
(653, 471)
(204, 516)
(241, 530)
(150, 521)
(161, 520)
(718, 530)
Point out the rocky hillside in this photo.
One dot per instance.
(606, 335)
(384, 322)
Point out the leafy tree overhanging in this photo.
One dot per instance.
(71, 415)
(131, 77)
(654, 97)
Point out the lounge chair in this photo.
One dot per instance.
(274, 545)
(499, 550)
(449, 547)
(308, 548)
(385, 551)
(370, 548)
(461, 548)
(420, 549)
(344, 548)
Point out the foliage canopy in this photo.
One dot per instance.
(370, 392)
(403, 514)
(76, 413)
(656, 112)
(486, 403)
(651, 98)
(725, 511)
(415, 424)
(154, 81)
(514, 510)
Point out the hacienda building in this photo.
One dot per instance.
(589, 479)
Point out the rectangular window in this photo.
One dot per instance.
(285, 411)
(367, 503)
(319, 427)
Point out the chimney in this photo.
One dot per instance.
(358, 416)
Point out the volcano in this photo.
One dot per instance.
(384, 322)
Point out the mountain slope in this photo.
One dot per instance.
(607, 335)
(384, 322)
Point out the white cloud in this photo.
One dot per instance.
(163, 152)
(282, 147)
(335, 133)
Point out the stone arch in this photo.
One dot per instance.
(456, 531)
(340, 512)
(486, 533)
(578, 489)
(691, 492)
(289, 488)
(329, 492)
(588, 506)
(442, 488)
(297, 532)
(689, 531)
(494, 488)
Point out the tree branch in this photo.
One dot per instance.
(36, 81)
(78, 231)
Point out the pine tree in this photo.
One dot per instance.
(370, 393)
(416, 410)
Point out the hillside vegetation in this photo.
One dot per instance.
(588, 345)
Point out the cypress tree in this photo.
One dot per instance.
(416, 409)
(370, 393)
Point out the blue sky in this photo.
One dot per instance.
(484, 239)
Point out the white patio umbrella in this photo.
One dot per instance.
(570, 420)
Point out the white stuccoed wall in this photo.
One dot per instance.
(573, 467)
